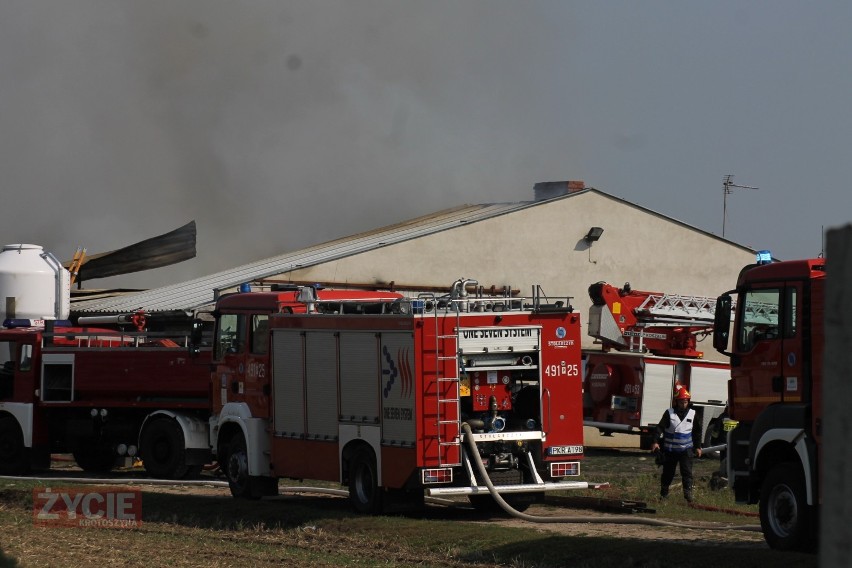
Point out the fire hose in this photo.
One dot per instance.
(614, 519)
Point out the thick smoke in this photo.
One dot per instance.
(278, 125)
(274, 125)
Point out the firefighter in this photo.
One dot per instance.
(679, 434)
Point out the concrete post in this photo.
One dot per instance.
(835, 542)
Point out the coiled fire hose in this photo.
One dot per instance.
(614, 519)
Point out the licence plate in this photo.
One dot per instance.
(564, 450)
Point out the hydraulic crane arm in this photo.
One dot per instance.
(634, 320)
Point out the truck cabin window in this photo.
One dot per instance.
(259, 334)
(230, 334)
(760, 317)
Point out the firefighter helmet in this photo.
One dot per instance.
(682, 394)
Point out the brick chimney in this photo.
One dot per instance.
(550, 189)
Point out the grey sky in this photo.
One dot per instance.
(277, 125)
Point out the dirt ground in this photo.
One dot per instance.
(576, 522)
(549, 518)
(573, 522)
(708, 534)
(632, 526)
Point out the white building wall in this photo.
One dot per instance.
(544, 245)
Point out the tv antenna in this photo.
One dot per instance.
(728, 184)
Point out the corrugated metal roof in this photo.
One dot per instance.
(200, 292)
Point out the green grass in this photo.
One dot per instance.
(632, 475)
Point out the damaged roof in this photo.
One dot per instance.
(200, 293)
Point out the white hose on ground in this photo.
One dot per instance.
(613, 519)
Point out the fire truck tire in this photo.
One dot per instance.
(785, 516)
(236, 469)
(14, 456)
(241, 484)
(364, 491)
(163, 449)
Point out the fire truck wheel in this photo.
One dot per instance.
(235, 466)
(14, 456)
(95, 459)
(162, 449)
(784, 513)
(236, 469)
(364, 491)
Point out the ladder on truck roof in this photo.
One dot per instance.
(761, 312)
(679, 308)
(699, 308)
(447, 390)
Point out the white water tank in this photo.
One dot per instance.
(33, 284)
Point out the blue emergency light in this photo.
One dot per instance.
(764, 257)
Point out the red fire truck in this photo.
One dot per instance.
(775, 394)
(649, 349)
(101, 394)
(403, 398)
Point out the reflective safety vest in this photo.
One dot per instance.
(678, 436)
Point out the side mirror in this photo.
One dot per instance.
(722, 323)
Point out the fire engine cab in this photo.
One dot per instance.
(398, 397)
(776, 345)
(649, 350)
